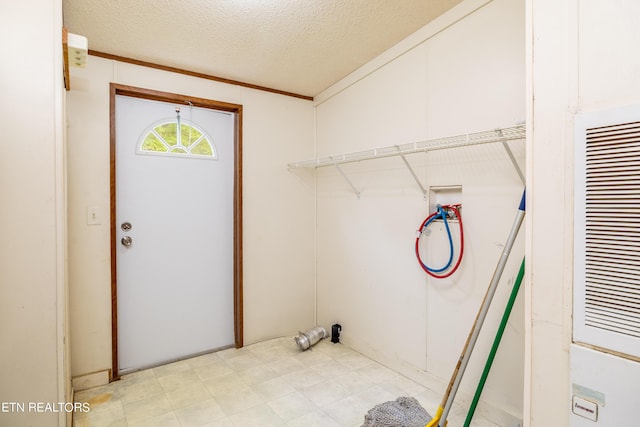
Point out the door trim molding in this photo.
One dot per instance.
(136, 92)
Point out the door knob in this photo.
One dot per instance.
(126, 241)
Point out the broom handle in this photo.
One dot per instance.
(454, 383)
(496, 344)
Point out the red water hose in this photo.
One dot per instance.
(456, 212)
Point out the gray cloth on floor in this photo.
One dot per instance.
(402, 412)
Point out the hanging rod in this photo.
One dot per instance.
(485, 137)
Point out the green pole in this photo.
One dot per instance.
(496, 344)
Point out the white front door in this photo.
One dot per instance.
(174, 222)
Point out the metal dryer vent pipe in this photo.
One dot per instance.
(306, 339)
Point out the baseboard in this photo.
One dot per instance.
(91, 380)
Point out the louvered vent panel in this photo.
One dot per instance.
(612, 229)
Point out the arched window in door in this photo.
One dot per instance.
(163, 138)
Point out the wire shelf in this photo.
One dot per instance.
(484, 137)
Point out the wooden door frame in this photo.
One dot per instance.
(136, 92)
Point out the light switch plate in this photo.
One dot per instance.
(93, 215)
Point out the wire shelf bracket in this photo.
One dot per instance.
(514, 162)
(415, 177)
(344, 175)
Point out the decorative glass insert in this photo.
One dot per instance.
(164, 138)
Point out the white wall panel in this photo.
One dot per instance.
(32, 247)
(469, 77)
(608, 67)
(580, 61)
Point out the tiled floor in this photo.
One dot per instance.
(267, 384)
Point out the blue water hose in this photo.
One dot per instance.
(442, 212)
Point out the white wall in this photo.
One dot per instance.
(578, 60)
(278, 206)
(463, 73)
(32, 226)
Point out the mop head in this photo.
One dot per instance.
(402, 412)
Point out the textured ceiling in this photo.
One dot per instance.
(299, 46)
